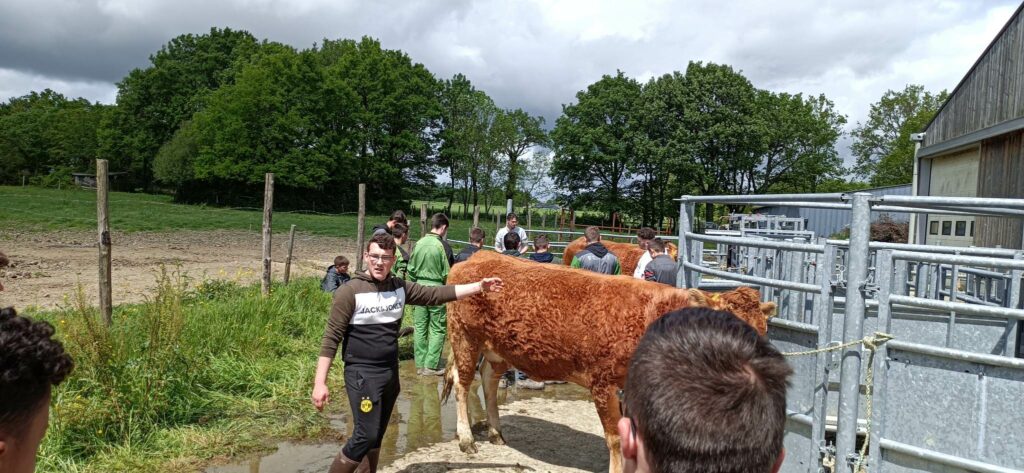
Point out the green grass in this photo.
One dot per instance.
(42, 209)
(202, 370)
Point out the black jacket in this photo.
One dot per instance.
(466, 252)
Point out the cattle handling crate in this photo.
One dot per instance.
(906, 358)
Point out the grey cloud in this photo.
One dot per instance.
(521, 53)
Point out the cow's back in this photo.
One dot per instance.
(555, 322)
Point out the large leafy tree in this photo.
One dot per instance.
(594, 141)
(153, 102)
(45, 131)
(391, 119)
(465, 126)
(264, 123)
(515, 132)
(882, 146)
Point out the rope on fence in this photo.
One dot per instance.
(872, 343)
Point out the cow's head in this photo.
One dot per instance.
(744, 302)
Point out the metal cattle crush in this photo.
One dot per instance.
(906, 357)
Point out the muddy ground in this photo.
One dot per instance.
(541, 435)
(46, 267)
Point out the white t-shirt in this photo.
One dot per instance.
(499, 239)
(642, 265)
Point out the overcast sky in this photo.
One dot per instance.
(531, 54)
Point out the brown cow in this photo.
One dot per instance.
(628, 253)
(558, 323)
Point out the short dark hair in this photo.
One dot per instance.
(398, 216)
(438, 220)
(646, 233)
(657, 244)
(384, 241)
(399, 230)
(707, 393)
(510, 216)
(511, 241)
(541, 242)
(340, 260)
(477, 235)
(31, 362)
(592, 234)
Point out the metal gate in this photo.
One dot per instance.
(945, 393)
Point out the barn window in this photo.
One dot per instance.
(972, 227)
(961, 228)
(933, 227)
(947, 227)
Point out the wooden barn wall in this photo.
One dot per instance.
(992, 93)
(1001, 174)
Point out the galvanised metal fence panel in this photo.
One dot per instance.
(944, 395)
(802, 441)
(941, 409)
(965, 408)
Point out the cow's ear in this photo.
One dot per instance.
(768, 309)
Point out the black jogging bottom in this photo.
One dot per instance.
(372, 391)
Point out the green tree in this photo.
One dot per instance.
(152, 103)
(594, 141)
(459, 101)
(175, 162)
(45, 131)
(392, 117)
(800, 136)
(514, 133)
(263, 123)
(882, 146)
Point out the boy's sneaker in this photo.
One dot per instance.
(529, 384)
(431, 372)
(555, 382)
(503, 383)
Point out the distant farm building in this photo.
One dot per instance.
(828, 222)
(974, 146)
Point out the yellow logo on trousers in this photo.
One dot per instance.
(366, 405)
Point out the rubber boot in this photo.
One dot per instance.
(342, 464)
(369, 463)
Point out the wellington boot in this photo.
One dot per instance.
(343, 465)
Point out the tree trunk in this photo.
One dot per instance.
(510, 186)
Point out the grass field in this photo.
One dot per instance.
(42, 209)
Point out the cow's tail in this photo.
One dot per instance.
(449, 382)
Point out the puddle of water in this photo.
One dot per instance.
(419, 420)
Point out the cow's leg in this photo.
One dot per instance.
(490, 372)
(607, 403)
(465, 355)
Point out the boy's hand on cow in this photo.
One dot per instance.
(491, 285)
(320, 396)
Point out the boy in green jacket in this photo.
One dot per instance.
(428, 266)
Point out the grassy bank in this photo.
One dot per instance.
(200, 371)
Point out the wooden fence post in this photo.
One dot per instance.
(361, 227)
(288, 260)
(423, 220)
(103, 224)
(572, 223)
(476, 216)
(543, 219)
(268, 213)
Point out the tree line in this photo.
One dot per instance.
(212, 113)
